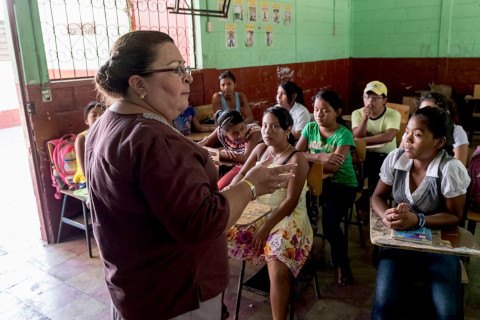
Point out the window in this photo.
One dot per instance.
(78, 34)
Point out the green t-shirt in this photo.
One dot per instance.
(341, 137)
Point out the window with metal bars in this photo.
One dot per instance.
(78, 34)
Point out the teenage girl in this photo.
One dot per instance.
(429, 186)
(228, 99)
(237, 139)
(329, 141)
(284, 237)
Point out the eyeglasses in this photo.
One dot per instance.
(180, 71)
(372, 97)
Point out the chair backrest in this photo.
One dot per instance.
(358, 158)
(444, 89)
(315, 178)
(404, 110)
(360, 150)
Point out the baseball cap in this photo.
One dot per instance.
(377, 87)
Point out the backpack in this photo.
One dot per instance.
(473, 193)
(64, 163)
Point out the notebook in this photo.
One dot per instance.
(420, 235)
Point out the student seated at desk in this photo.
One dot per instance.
(460, 138)
(91, 113)
(228, 99)
(187, 119)
(429, 186)
(376, 124)
(290, 97)
(237, 138)
(284, 238)
(328, 140)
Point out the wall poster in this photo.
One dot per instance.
(230, 35)
(252, 10)
(249, 34)
(238, 10)
(276, 12)
(265, 13)
(269, 36)
(288, 14)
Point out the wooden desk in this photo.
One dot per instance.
(455, 240)
(375, 146)
(252, 213)
(198, 136)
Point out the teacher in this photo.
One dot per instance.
(157, 214)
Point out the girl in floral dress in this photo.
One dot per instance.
(284, 237)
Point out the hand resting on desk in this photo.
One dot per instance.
(400, 218)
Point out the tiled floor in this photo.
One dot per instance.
(40, 281)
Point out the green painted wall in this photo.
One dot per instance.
(415, 28)
(320, 30)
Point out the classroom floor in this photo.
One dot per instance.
(40, 281)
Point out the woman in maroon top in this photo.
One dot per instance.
(157, 214)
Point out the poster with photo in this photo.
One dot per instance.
(269, 36)
(230, 35)
(276, 13)
(238, 10)
(288, 14)
(220, 8)
(249, 35)
(252, 10)
(265, 13)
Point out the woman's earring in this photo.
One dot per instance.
(142, 95)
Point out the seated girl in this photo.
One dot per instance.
(290, 97)
(429, 186)
(91, 113)
(228, 99)
(284, 237)
(237, 138)
(329, 141)
(460, 138)
(187, 119)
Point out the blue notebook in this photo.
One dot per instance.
(420, 235)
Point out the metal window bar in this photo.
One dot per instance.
(78, 34)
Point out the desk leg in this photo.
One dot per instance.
(64, 204)
(87, 229)
(239, 290)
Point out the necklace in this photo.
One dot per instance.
(153, 115)
(281, 154)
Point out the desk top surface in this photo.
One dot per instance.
(375, 146)
(455, 240)
(252, 213)
(198, 136)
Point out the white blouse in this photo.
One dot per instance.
(455, 179)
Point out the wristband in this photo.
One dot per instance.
(421, 220)
(252, 187)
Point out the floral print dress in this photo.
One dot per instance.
(290, 241)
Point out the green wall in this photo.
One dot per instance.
(415, 28)
(320, 30)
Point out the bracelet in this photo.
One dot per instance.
(252, 187)
(421, 220)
